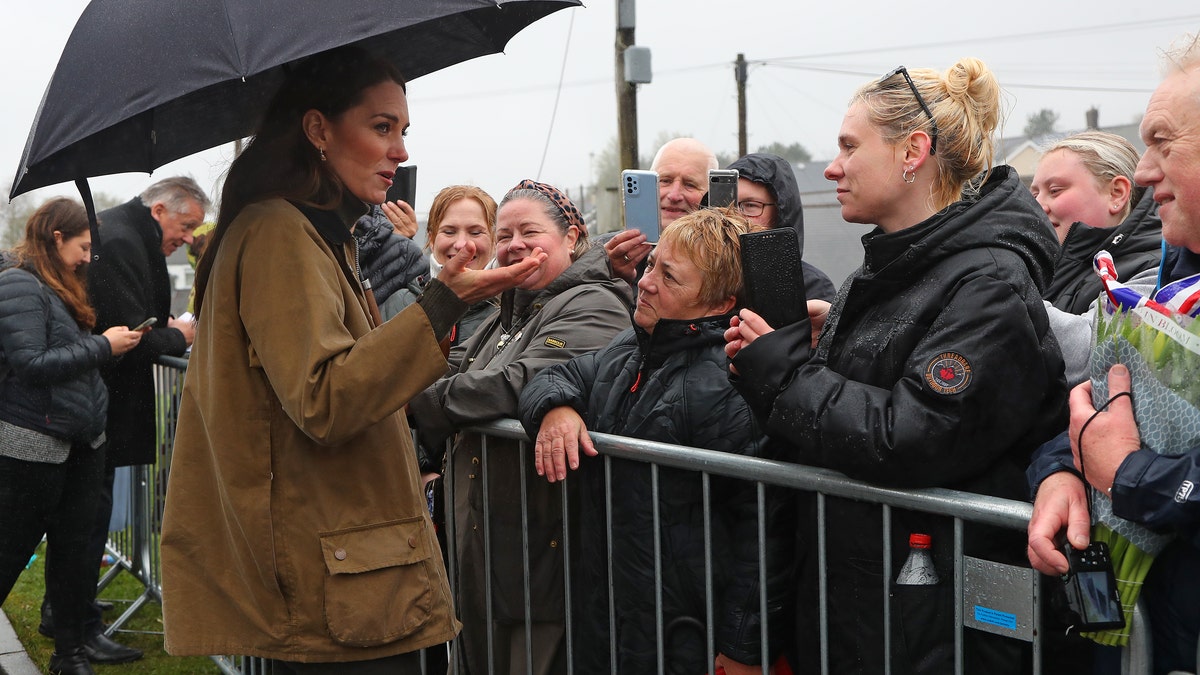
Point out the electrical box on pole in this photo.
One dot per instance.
(637, 65)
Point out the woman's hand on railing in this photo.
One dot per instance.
(561, 435)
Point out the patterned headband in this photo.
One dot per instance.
(561, 200)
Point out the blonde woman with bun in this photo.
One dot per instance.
(936, 366)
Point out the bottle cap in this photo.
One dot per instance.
(916, 540)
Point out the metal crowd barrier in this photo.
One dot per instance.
(977, 583)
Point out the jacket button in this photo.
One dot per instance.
(553, 543)
(474, 460)
(471, 476)
(340, 554)
(412, 542)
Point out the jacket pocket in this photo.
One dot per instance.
(377, 586)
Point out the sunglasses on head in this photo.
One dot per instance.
(933, 136)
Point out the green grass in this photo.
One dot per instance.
(143, 631)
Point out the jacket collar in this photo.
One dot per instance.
(334, 225)
(676, 335)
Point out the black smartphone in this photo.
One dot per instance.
(639, 202)
(1092, 595)
(404, 185)
(722, 188)
(773, 276)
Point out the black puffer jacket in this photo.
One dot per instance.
(1135, 244)
(936, 367)
(54, 384)
(780, 178)
(669, 387)
(389, 260)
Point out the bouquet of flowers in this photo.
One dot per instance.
(1158, 339)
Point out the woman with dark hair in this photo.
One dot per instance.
(571, 306)
(295, 525)
(53, 406)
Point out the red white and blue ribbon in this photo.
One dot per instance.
(1183, 296)
(1119, 294)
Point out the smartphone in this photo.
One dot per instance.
(404, 185)
(722, 188)
(773, 276)
(146, 324)
(1092, 595)
(639, 202)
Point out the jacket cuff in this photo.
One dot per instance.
(1127, 483)
(442, 306)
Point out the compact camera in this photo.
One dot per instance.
(1092, 598)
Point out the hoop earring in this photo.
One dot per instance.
(323, 157)
(907, 178)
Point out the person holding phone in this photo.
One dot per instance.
(53, 407)
(936, 366)
(664, 380)
(295, 526)
(682, 166)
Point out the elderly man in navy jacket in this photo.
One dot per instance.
(1155, 490)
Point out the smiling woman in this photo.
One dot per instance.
(293, 470)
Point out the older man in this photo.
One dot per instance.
(1152, 489)
(682, 165)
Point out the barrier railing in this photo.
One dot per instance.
(976, 582)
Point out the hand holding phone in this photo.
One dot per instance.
(146, 324)
(639, 202)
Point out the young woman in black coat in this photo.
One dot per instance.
(52, 416)
(936, 366)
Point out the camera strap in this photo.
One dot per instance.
(1079, 442)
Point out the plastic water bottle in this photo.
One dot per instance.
(918, 570)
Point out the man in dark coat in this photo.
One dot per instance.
(128, 283)
(768, 195)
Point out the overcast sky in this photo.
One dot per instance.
(489, 121)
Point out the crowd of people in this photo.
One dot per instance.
(324, 444)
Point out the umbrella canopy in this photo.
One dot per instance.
(144, 82)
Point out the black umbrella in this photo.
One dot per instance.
(144, 82)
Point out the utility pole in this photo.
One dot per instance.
(739, 74)
(627, 133)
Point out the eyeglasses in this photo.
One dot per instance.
(753, 208)
(932, 122)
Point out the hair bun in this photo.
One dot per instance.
(972, 85)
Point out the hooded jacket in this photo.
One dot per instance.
(936, 367)
(778, 175)
(671, 387)
(1135, 244)
(578, 312)
(53, 383)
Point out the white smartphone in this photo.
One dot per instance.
(146, 324)
(639, 202)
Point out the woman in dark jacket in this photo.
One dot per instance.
(664, 380)
(52, 415)
(1084, 183)
(936, 365)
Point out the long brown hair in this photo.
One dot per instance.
(39, 250)
(280, 161)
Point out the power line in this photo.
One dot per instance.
(557, 95)
(1124, 26)
(1006, 85)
